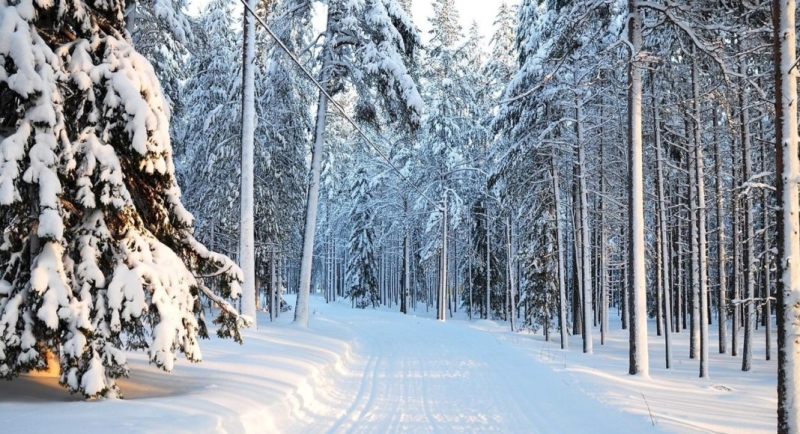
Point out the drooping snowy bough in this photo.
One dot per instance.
(97, 255)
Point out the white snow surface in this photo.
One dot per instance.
(383, 372)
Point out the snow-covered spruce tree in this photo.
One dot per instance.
(98, 254)
(367, 44)
(208, 164)
(362, 275)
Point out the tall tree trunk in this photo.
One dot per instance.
(442, 299)
(583, 210)
(510, 270)
(273, 283)
(663, 231)
(603, 261)
(488, 265)
(562, 286)
(737, 264)
(749, 251)
(722, 311)
(767, 261)
(312, 203)
(247, 257)
(406, 264)
(639, 363)
(701, 219)
(787, 174)
(694, 326)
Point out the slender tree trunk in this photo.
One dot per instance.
(441, 315)
(273, 282)
(787, 175)
(701, 220)
(586, 254)
(247, 258)
(737, 266)
(562, 286)
(694, 326)
(488, 265)
(304, 289)
(722, 311)
(602, 265)
(511, 306)
(639, 363)
(749, 251)
(662, 230)
(469, 282)
(767, 262)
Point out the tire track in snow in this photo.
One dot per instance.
(416, 375)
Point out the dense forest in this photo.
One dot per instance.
(592, 159)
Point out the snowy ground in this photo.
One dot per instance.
(382, 372)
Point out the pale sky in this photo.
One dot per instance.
(483, 12)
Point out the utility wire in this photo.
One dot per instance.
(338, 106)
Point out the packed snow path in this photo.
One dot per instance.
(419, 375)
(365, 371)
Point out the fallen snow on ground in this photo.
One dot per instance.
(376, 371)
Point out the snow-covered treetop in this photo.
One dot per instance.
(371, 43)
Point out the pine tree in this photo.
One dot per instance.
(98, 253)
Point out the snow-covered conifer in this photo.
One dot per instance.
(98, 254)
(362, 275)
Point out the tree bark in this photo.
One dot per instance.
(562, 287)
(312, 203)
(662, 228)
(586, 254)
(638, 363)
(749, 251)
(247, 259)
(701, 220)
(787, 171)
(722, 308)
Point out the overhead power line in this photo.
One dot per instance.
(338, 106)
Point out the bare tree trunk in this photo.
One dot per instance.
(510, 272)
(562, 287)
(312, 203)
(602, 270)
(701, 220)
(662, 230)
(737, 266)
(722, 301)
(694, 326)
(767, 262)
(247, 258)
(787, 175)
(583, 211)
(443, 267)
(488, 265)
(749, 251)
(639, 363)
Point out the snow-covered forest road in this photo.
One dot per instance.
(412, 374)
(378, 371)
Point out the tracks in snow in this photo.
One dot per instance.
(417, 375)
